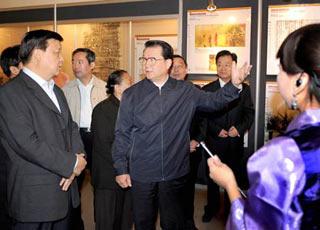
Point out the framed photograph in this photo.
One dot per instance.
(210, 32)
(282, 20)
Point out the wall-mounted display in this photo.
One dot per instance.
(104, 40)
(210, 32)
(277, 113)
(282, 20)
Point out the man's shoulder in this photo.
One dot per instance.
(70, 85)
(98, 82)
(137, 86)
(211, 85)
(12, 86)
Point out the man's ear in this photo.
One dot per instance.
(168, 63)
(92, 65)
(36, 56)
(14, 70)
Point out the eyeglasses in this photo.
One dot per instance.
(152, 60)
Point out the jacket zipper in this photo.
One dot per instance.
(161, 111)
(130, 154)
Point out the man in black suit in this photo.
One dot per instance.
(179, 71)
(225, 130)
(11, 66)
(41, 141)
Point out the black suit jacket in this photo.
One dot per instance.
(240, 114)
(41, 144)
(104, 117)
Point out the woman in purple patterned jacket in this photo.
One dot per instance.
(284, 174)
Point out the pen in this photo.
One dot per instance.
(211, 155)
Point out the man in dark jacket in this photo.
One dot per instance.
(225, 130)
(152, 142)
(11, 66)
(41, 141)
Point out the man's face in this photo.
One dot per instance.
(158, 70)
(81, 67)
(179, 69)
(224, 66)
(50, 60)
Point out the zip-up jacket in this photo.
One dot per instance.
(152, 129)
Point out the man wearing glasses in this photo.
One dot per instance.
(151, 146)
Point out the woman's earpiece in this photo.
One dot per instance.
(298, 82)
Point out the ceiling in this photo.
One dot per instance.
(22, 4)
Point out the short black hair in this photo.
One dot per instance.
(115, 78)
(179, 56)
(226, 53)
(90, 55)
(36, 39)
(9, 57)
(167, 50)
(300, 52)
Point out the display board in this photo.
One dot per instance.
(210, 32)
(282, 20)
(172, 39)
(277, 113)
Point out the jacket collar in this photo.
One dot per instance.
(41, 95)
(170, 83)
(74, 83)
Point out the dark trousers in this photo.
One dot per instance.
(86, 136)
(5, 219)
(195, 158)
(113, 209)
(167, 196)
(63, 224)
(213, 196)
(213, 200)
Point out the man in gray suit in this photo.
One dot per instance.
(43, 145)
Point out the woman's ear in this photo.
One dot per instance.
(302, 81)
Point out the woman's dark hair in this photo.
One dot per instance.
(114, 78)
(300, 52)
(36, 39)
(167, 50)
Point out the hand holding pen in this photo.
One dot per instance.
(222, 175)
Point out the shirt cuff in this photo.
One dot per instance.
(76, 164)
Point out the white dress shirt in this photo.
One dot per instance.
(85, 104)
(47, 86)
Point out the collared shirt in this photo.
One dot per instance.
(47, 86)
(222, 83)
(85, 104)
